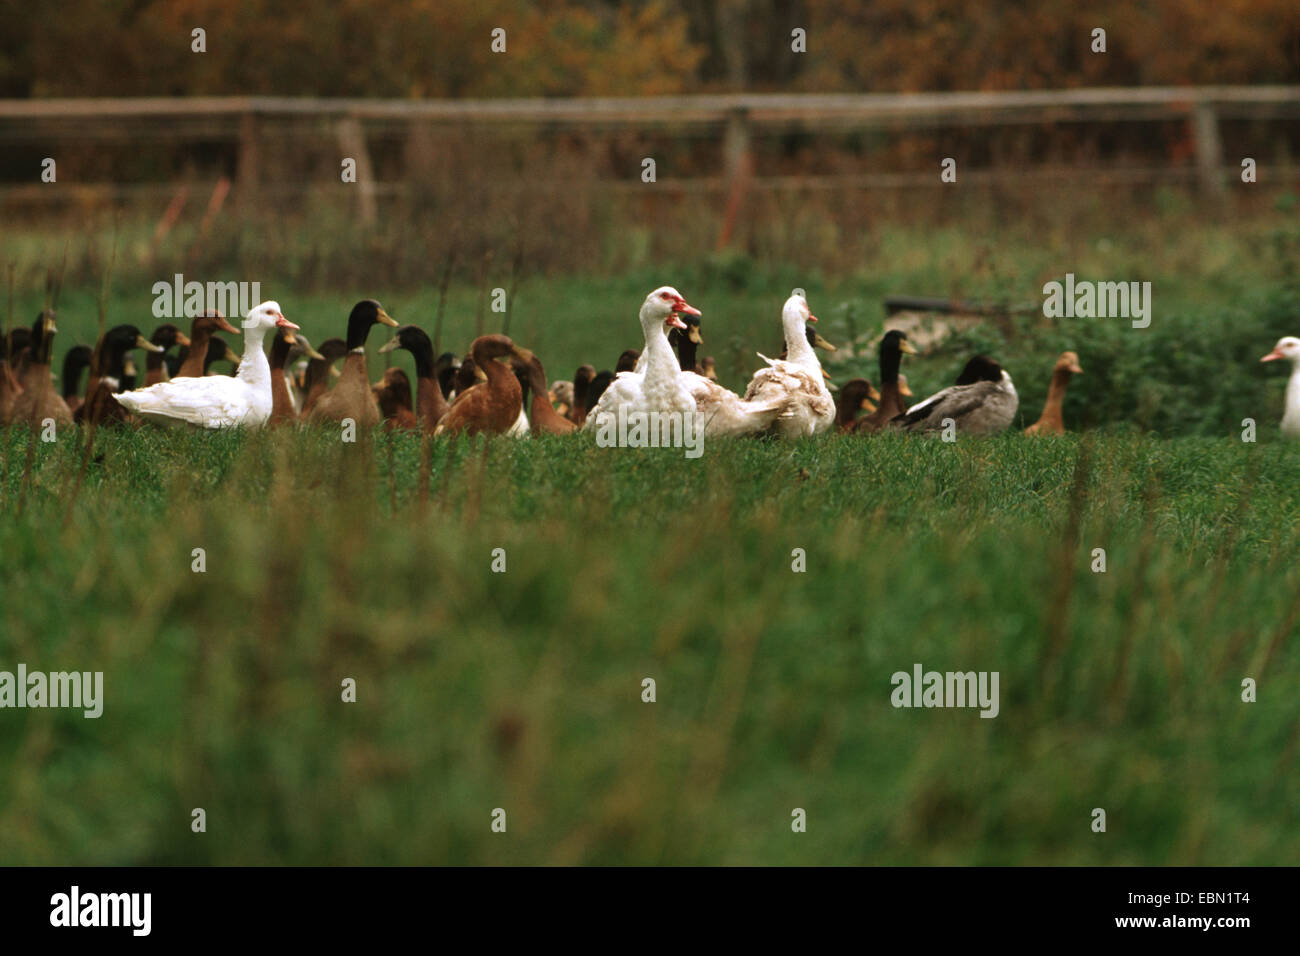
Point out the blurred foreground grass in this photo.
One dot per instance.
(522, 690)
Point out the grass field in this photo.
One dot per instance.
(522, 690)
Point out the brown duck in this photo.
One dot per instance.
(1051, 422)
(351, 396)
(201, 330)
(892, 349)
(39, 401)
(493, 406)
(286, 346)
(430, 402)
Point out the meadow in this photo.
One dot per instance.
(522, 689)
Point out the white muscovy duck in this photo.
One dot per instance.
(1288, 347)
(217, 401)
(724, 412)
(796, 381)
(658, 386)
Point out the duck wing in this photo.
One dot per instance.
(962, 403)
(210, 402)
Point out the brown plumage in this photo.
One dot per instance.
(542, 416)
(1051, 422)
(493, 406)
(320, 371)
(10, 380)
(892, 348)
(165, 336)
(201, 330)
(393, 393)
(286, 346)
(39, 401)
(581, 383)
(351, 396)
(856, 396)
(430, 403)
(111, 369)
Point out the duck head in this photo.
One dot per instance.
(289, 345)
(903, 389)
(209, 322)
(413, 339)
(1068, 363)
(816, 341)
(488, 347)
(265, 317)
(858, 394)
(364, 315)
(980, 369)
(662, 310)
(165, 336)
(1288, 347)
(118, 341)
(42, 340)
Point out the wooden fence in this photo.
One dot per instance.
(736, 118)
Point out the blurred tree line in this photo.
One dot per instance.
(441, 48)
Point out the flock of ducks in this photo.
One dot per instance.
(500, 387)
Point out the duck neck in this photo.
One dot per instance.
(660, 362)
(253, 367)
(797, 349)
(1055, 396)
(1293, 390)
(686, 352)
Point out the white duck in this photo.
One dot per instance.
(217, 401)
(1288, 347)
(796, 381)
(724, 412)
(657, 387)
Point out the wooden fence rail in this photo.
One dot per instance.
(736, 117)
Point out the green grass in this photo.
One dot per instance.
(521, 690)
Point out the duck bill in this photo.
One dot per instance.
(387, 319)
(694, 335)
(225, 326)
(674, 321)
(391, 344)
(283, 323)
(681, 305)
(182, 340)
(1272, 356)
(311, 353)
(524, 355)
(906, 347)
(821, 343)
(874, 395)
(868, 406)
(230, 355)
(142, 343)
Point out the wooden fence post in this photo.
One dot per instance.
(1209, 148)
(352, 140)
(738, 160)
(248, 173)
